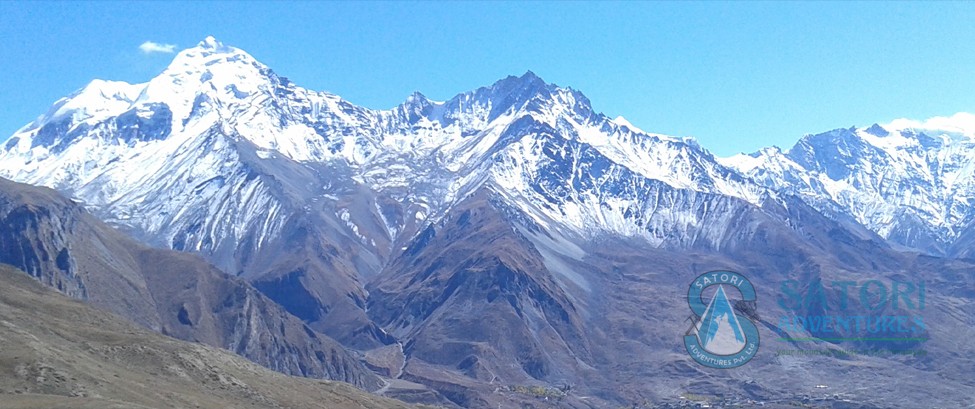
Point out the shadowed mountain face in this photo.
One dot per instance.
(486, 297)
(61, 353)
(60, 244)
(506, 243)
(473, 295)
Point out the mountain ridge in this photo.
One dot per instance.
(62, 353)
(420, 136)
(912, 188)
(177, 294)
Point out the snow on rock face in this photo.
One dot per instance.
(571, 184)
(913, 186)
(218, 150)
(161, 156)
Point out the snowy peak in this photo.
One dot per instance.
(623, 122)
(211, 51)
(895, 139)
(211, 43)
(210, 68)
(527, 94)
(911, 182)
(933, 133)
(108, 90)
(527, 84)
(877, 130)
(96, 98)
(198, 80)
(418, 106)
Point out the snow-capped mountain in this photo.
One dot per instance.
(172, 156)
(912, 183)
(308, 196)
(222, 156)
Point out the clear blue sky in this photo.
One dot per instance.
(737, 76)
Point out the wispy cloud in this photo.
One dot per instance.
(150, 47)
(961, 122)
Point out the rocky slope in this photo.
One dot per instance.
(58, 243)
(489, 297)
(62, 353)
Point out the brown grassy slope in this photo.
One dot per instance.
(56, 352)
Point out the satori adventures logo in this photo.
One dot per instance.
(718, 337)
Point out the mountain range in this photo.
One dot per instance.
(508, 239)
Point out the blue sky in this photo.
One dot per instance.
(737, 76)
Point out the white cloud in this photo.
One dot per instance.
(962, 122)
(150, 47)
